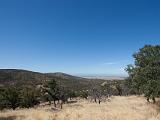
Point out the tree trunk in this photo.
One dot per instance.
(50, 102)
(58, 101)
(154, 100)
(148, 99)
(99, 102)
(61, 105)
(54, 103)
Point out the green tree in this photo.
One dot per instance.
(144, 76)
(52, 90)
(29, 97)
(71, 94)
(119, 89)
(2, 101)
(106, 89)
(10, 98)
(83, 94)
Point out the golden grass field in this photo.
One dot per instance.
(119, 108)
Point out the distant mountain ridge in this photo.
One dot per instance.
(20, 74)
(64, 75)
(21, 77)
(105, 77)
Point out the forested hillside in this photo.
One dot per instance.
(24, 78)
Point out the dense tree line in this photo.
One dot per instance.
(12, 97)
(27, 97)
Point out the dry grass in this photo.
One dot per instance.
(120, 108)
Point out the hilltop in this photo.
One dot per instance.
(20, 77)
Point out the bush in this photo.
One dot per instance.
(71, 94)
(9, 98)
(83, 94)
(29, 98)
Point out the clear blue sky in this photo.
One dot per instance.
(76, 36)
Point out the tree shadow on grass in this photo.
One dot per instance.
(8, 118)
(11, 118)
(70, 102)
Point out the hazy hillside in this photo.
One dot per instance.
(104, 77)
(16, 76)
(64, 76)
(24, 77)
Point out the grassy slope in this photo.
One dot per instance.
(119, 108)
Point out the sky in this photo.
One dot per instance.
(81, 37)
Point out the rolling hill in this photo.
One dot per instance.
(22, 78)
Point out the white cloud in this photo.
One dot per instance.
(110, 63)
(115, 62)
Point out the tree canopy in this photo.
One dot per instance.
(144, 75)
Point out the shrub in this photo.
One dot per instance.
(29, 98)
(9, 98)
